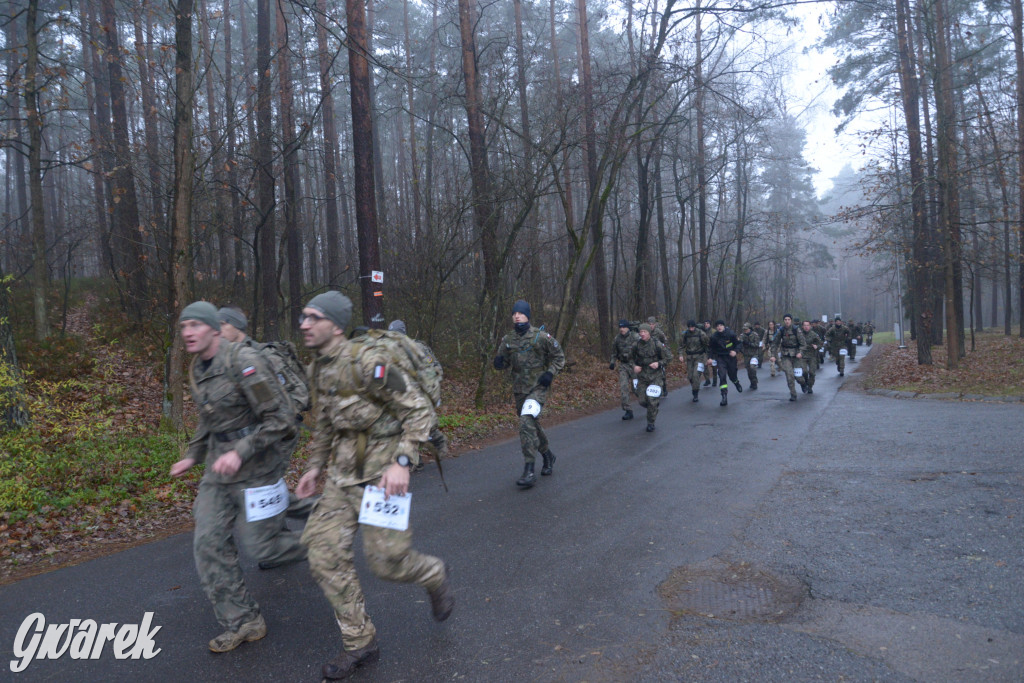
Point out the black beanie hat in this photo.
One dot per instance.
(520, 306)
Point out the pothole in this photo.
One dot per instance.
(731, 591)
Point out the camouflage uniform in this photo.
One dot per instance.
(838, 336)
(851, 346)
(809, 362)
(622, 349)
(657, 333)
(786, 345)
(750, 344)
(766, 340)
(530, 355)
(694, 343)
(869, 333)
(364, 422)
(645, 353)
(242, 407)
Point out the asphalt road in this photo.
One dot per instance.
(842, 537)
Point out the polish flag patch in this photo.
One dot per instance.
(251, 370)
(379, 371)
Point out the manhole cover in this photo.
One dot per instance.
(737, 592)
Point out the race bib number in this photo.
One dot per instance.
(798, 372)
(700, 367)
(714, 363)
(843, 352)
(531, 407)
(635, 383)
(754, 362)
(854, 341)
(653, 390)
(392, 513)
(761, 345)
(263, 502)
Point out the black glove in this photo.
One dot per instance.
(611, 366)
(545, 379)
(499, 362)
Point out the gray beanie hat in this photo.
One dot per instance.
(233, 317)
(397, 326)
(335, 306)
(203, 311)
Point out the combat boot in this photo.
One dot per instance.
(442, 599)
(753, 386)
(696, 395)
(628, 415)
(739, 387)
(792, 397)
(725, 397)
(246, 633)
(528, 479)
(346, 663)
(707, 383)
(650, 426)
(549, 463)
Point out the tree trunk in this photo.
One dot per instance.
(266, 233)
(334, 266)
(181, 215)
(1018, 55)
(593, 213)
(230, 121)
(292, 185)
(40, 274)
(149, 114)
(920, 262)
(362, 155)
(128, 250)
(703, 283)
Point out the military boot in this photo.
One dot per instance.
(528, 479)
(650, 426)
(725, 397)
(549, 463)
(696, 395)
(246, 633)
(346, 663)
(753, 386)
(628, 415)
(739, 387)
(442, 599)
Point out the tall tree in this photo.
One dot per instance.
(40, 274)
(1018, 56)
(181, 215)
(332, 225)
(266, 233)
(362, 156)
(292, 186)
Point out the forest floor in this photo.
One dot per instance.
(109, 388)
(995, 367)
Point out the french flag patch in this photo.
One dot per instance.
(251, 370)
(379, 371)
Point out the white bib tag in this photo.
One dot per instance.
(843, 352)
(854, 341)
(761, 345)
(263, 502)
(714, 363)
(753, 361)
(392, 513)
(531, 407)
(700, 367)
(634, 383)
(798, 372)
(653, 390)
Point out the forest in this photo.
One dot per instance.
(601, 160)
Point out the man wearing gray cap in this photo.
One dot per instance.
(371, 418)
(233, 326)
(244, 416)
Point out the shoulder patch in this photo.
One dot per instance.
(379, 371)
(251, 370)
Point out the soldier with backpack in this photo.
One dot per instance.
(245, 417)
(429, 375)
(371, 416)
(284, 363)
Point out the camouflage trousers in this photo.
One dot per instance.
(840, 360)
(649, 402)
(851, 349)
(692, 372)
(531, 436)
(752, 370)
(626, 377)
(787, 364)
(810, 366)
(219, 512)
(330, 536)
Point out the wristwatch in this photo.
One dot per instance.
(404, 460)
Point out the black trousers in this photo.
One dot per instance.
(726, 369)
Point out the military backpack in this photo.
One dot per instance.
(283, 360)
(413, 357)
